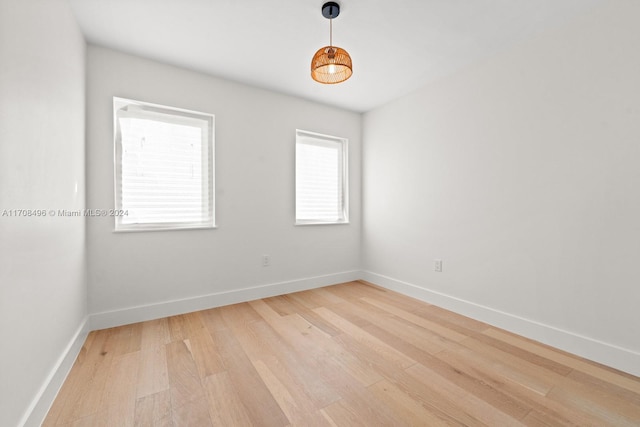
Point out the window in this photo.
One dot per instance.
(163, 167)
(321, 179)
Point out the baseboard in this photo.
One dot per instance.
(41, 403)
(143, 313)
(608, 354)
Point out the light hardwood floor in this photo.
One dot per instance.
(346, 355)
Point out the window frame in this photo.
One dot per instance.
(171, 115)
(343, 168)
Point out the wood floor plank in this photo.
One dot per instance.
(184, 380)
(599, 410)
(193, 413)
(430, 397)
(417, 320)
(119, 397)
(302, 303)
(99, 419)
(178, 328)
(596, 398)
(310, 300)
(523, 354)
(331, 297)
(291, 408)
(468, 379)
(153, 373)
(358, 410)
(341, 370)
(604, 373)
(320, 323)
(411, 411)
(526, 373)
(477, 408)
(239, 313)
(261, 342)
(90, 339)
(225, 404)
(605, 387)
(261, 406)
(213, 320)
(349, 354)
(125, 339)
(205, 353)
(535, 419)
(451, 319)
(67, 396)
(82, 395)
(154, 410)
(155, 333)
(391, 355)
(426, 340)
(363, 289)
(189, 405)
(493, 375)
(323, 346)
(599, 402)
(315, 419)
(280, 305)
(322, 352)
(309, 340)
(194, 322)
(294, 370)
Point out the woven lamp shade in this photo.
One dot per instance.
(331, 65)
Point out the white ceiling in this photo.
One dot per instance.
(396, 46)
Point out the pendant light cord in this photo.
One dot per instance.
(331, 32)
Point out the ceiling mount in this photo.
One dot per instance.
(330, 10)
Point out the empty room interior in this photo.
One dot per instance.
(434, 220)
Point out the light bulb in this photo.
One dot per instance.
(332, 69)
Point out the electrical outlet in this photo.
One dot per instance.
(266, 260)
(437, 265)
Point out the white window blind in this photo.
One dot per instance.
(164, 167)
(321, 179)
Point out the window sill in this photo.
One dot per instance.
(167, 228)
(321, 223)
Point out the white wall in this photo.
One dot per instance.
(521, 173)
(42, 263)
(255, 135)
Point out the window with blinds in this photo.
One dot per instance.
(321, 179)
(164, 167)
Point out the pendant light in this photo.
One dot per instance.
(331, 64)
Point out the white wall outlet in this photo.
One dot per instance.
(266, 260)
(437, 265)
